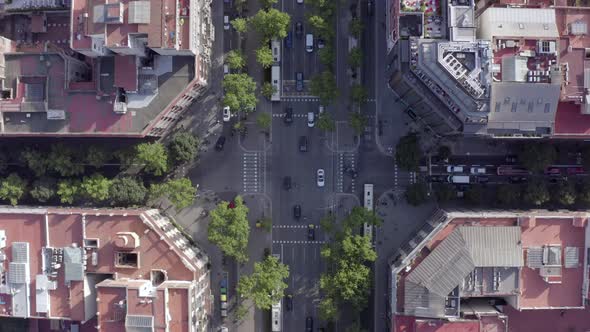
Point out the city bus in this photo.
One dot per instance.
(368, 194)
(276, 83)
(276, 317)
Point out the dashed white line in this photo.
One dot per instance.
(298, 242)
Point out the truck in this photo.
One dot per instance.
(458, 179)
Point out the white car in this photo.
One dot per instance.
(299, 1)
(478, 170)
(310, 119)
(455, 169)
(225, 22)
(320, 178)
(226, 114)
(225, 69)
(321, 109)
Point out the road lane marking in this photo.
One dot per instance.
(297, 242)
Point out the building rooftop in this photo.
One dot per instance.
(497, 22)
(124, 264)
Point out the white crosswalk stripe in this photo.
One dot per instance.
(292, 226)
(345, 160)
(298, 242)
(253, 172)
(300, 98)
(282, 115)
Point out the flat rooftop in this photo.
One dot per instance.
(85, 113)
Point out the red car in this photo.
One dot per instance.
(575, 170)
(552, 171)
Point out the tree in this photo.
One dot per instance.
(355, 56)
(536, 193)
(271, 23)
(153, 156)
(125, 156)
(324, 86)
(444, 192)
(267, 90)
(474, 194)
(583, 195)
(356, 27)
(267, 3)
(358, 94)
(240, 92)
(317, 23)
(264, 120)
(264, 56)
(327, 55)
(180, 192)
(183, 147)
(235, 60)
(408, 152)
(325, 122)
(508, 194)
(328, 310)
(68, 191)
(12, 188)
(266, 285)
(444, 152)
(35, 160)
(96, 187)
(416, 194)
(63, 160)
(357, 217)
(44, 189)
(240, 24)
(536, 157)
(97, 156)
(327, 222)
(229, 228)
(127, 191)
(357, 122)
(565, 194)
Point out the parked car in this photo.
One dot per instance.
(436, 178)
(311, 232)
(517, 179)
(455, 169)
(299, 81)
(308, 324)
(303, 144)
(220, 143)
(370, 8)
(299, 29)
(309, 43)
(320, 177)
(510, 159)
(478, 170)
(225, 22)
(288, 115)
(226, 114)
(297, 211)
(287, 183)
(575, 170)
(310, 119)
(321, 109)
(483, 179)
(225, 69)
(289, 302)
(299, 1)
(321, 43)
(552, 171)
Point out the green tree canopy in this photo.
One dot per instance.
(266, 285)
(183, 147)
(12, 188)
(356, 27)
(444, 192)
(357, 217)
(358, 94)
(96, 187)
(326, 122)
(264, 120)
(235, 60)
(357, 122)
(153, 156)
(97, 156)
(318, 24)
(240, 92)
(328, 310)
(536, 193)
(267, 3)
(271, 23)
(264, 56)
(240, 24)
(324, 86)
(327, 55)
(508, 194)
(416, 194)
(127, 191)
(565, 194)
(536, 157)
(64, 160)
(35, 160)
(180, 192)
(408, 152)
(229, 228)
(355, 56)
(44, 189)
(267, 90)
(69, 191)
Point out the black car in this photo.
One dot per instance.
(287, 183)
(517, 179)
(299, 81)
(289, 115)
(483, 179)
(289, 302)
(298, 29)
(510, 159)
(370, 8)
(436, 178)
(309, 324)
(303, 144)
(311, 233)
(220, 143)
(297, 211)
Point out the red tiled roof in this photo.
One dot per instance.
(570, 121)
(126, 72)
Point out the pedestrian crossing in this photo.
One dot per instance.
(253, 169)
(282, 115)
(346, 160)
(298, 242)
(300, 98)
(293, 226)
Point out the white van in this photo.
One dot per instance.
(309, 42)
(225, 22)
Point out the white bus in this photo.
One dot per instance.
(275, 47)
(276, 317)
(368, 193)
(276, 83)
